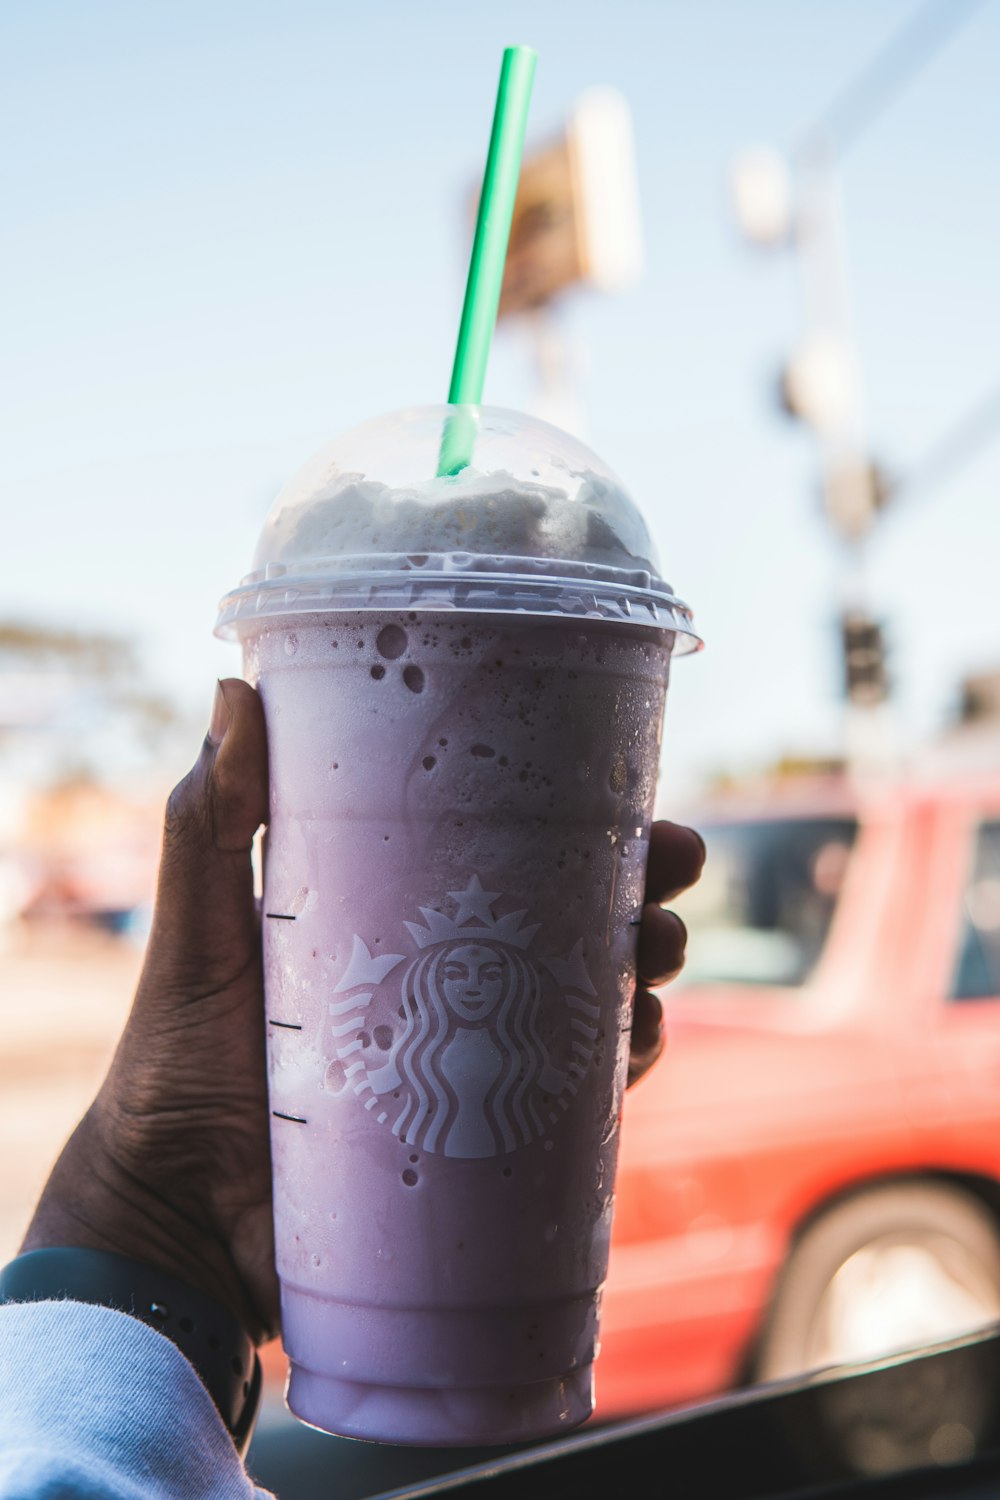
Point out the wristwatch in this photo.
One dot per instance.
(207, 1334)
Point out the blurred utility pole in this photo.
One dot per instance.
(796, 203)
(821, 386)
(576, 223)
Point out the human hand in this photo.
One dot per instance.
(676, 860)
(171, 1164)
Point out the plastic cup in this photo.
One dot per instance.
(463, 680)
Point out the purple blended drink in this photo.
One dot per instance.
(463, 680)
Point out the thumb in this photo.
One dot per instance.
(204, 926)
(236, 749)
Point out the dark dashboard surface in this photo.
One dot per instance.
(908, 1428)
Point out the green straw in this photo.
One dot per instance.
(489, 253)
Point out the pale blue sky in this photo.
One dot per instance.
(230, 230)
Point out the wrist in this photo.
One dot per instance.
(91, 1201)
(207, 1334)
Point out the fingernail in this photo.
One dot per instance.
(219, 722)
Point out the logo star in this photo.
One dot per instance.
(474, 902)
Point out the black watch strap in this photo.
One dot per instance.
(207, 1334)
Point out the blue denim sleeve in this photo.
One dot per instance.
(94, 1405)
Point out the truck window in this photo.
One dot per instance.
(978, 972)
(761, 912)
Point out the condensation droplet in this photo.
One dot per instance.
(410, 1177)
(414, 678)
(391, 642)
(383, 1037)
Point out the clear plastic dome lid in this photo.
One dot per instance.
(536, 524)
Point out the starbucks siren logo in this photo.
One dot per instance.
(465, 1070)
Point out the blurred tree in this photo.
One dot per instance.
(76, 689)
(44, 646)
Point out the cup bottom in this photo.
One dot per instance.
(441, 1418)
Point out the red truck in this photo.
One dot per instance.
(812, 1174)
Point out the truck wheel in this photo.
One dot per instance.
(893, 1268)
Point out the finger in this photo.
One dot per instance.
(204, 926)
(662, 941)
(239, 775)
(648, 1035)
(676, 859)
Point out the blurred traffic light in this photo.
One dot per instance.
(760, 190)
(818, 385)
(866, 680)
(576, 218)
(980, 698)
(854, 492)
